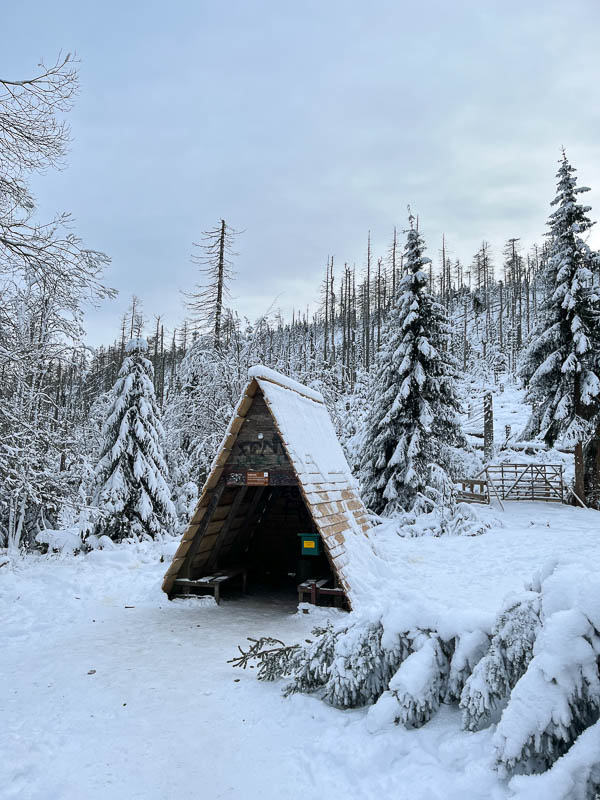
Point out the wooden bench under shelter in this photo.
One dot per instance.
(312, 589)
(212, 582)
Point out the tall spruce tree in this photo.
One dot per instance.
(560, 364)
(412, 420)
(131, 490)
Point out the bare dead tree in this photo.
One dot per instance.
(206, 302)
(46, 276)
(32, 138)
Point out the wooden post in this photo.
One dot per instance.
(579, 457)
(488, 426)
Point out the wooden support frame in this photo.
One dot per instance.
(210, 510)
(252, 511)
(227, 522)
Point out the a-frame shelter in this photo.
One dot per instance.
(280, 474)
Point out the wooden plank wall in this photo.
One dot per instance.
(249, 451)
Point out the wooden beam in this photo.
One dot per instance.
(233, 510)
(212, 505)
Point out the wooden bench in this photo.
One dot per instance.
(315, 587)
(213, 582)
(472, 490)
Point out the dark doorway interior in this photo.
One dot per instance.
(273, 549)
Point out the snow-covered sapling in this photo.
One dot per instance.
(509, 654)
(131, 490)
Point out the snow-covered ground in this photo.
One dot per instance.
(108, 690)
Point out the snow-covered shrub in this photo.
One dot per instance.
(509, 654)
(420, 684)
(556, 699)
(575, 776)
(559, 694)
(362, 667)
(60, 541)
(310, 670)
(437, 512)
(469, 648)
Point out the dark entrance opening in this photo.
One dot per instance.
(257, 540)
(274, 547)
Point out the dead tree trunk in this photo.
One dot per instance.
(488, 426)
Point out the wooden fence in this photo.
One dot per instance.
(514, 482)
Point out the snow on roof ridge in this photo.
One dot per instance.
(259, 371)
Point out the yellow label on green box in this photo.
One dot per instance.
(309, 544)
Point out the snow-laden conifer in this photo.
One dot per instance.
(131, 490)
(558, 696)
(420, 684)
(412, 420)
(560, 364)
(362, 665)
(509, 654)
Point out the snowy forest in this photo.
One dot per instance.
(525, 316)
(106, 449)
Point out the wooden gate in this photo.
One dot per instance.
(527, 481)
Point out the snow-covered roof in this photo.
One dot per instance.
(307, 431)
(324, 477)
(268, 374)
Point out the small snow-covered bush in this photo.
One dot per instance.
(437, 512)
(558, 696)
(469, 649)
(362, 667)
(63, 541)
(420, 683)
(510, 651)
(575, 776)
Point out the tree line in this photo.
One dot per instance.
(491, 320)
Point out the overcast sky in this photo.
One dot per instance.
(306, 124)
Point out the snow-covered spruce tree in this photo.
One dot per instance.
(413, 403)
(560, 364)
(130, 489)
